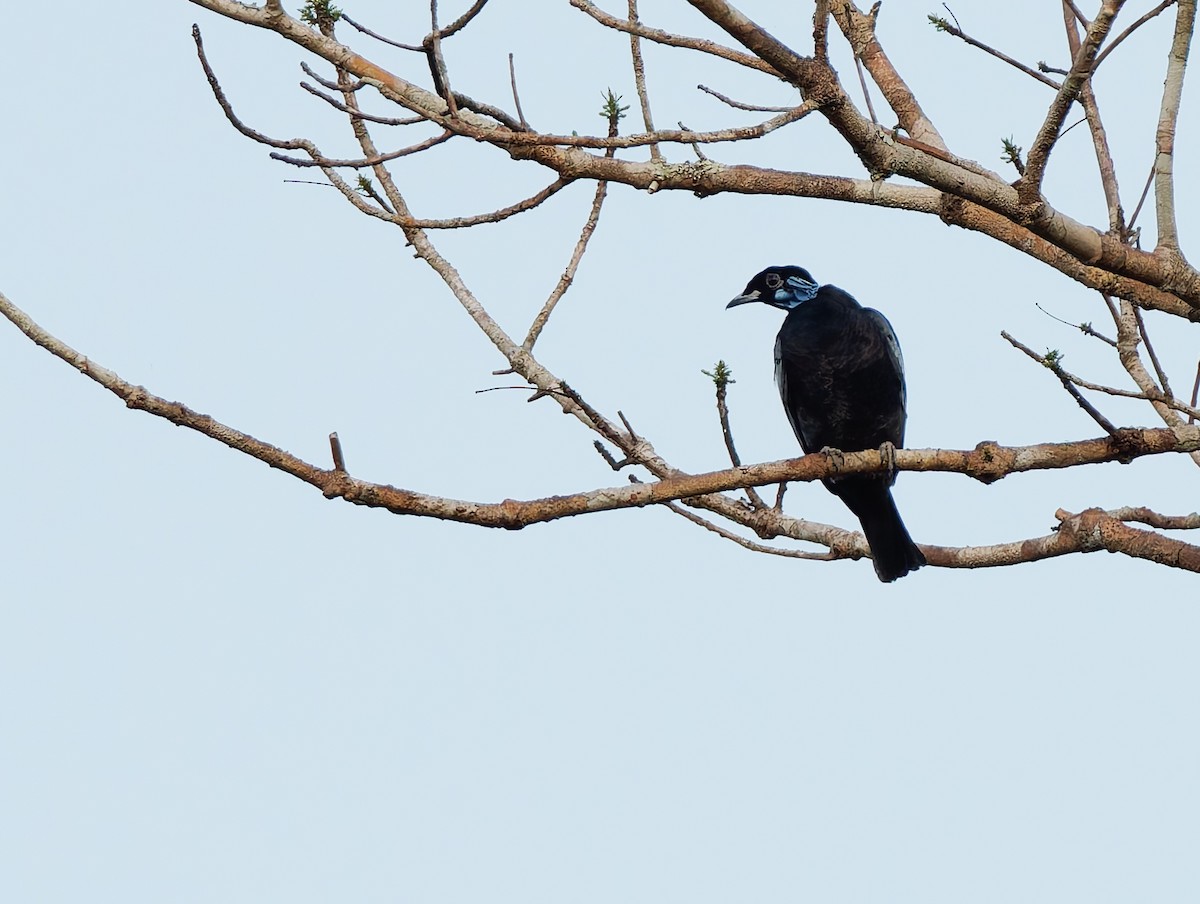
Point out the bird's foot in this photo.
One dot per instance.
(835, 456)
(888, 453)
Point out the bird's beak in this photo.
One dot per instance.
(744, 299)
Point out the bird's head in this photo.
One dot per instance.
(780, 287)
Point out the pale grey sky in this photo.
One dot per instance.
(219, 686)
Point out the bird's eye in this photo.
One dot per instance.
(773, 280)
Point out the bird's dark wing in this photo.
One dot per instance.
(791, 401)
(893, 349)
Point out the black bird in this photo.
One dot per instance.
(841, 378)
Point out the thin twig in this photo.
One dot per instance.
(749, 60)
(628, 426)
(446, 32)
(381, 120)
(778, 506)
(956, 31)
(742, 106)
(700, 155)
(1195, 393)
(512, 78)
(1142, 199)
(1154, 395)
(862, 80)
(750, 544)
(368, 188)
(1051, 363)
(365, 162)
(1104, 161)
(721, 380)
(1112, 45)
(437, 63)
(1163, 382)
(1114, 313)
(1085, 328)
(332, 85)
(639, 77)
(462, 21)
(494, 216)
(335, 447)
(568, 276)
(295, 144)
(378, 37)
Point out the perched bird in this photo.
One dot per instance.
(841, 378)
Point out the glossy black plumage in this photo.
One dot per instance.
(841, 378)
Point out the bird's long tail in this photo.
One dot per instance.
(892, 549)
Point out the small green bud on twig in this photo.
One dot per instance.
(721, 375)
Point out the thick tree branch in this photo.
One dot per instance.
(1081, 71)
(987, 463)
(1164, 138)
(859, 30)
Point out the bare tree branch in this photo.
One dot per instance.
(1108, 172)
(741, 541)
(1154, 519)
(1081, 70)
(512, 77)
(1128, 338)
(738, 105)
(1164, 138)
(721, 378)
(381, 120)
(659, 36)
(568, 276)
(1115, 42)
(987, 462)
(1153, 395)
(365, 162)
(1069, 382)
(953, 29)
(859, 29)
(639, 77)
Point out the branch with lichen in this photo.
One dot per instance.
(987, 463)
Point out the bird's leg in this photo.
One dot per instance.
(888, 453)
(836, 457)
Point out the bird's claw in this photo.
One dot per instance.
(887, 452)
(836, 457)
